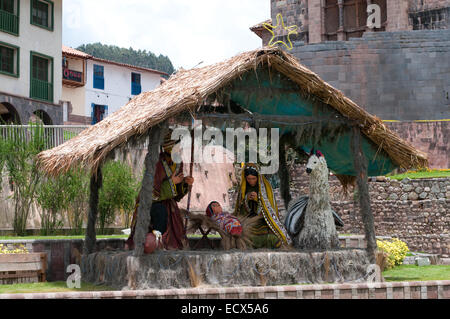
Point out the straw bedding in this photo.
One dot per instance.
(188, 89)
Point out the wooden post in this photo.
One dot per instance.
(156, 134)
(283, 173)
(360, 163)
(91, 238)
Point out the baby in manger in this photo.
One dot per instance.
(227, 222)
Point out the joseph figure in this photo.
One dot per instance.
(256, 198)
(169, 187)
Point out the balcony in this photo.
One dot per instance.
(9, 22)
(72, 78)
(41, 90)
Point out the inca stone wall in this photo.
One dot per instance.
(416, 211)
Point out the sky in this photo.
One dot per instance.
(187, 31)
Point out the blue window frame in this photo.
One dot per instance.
(99, 79)
(98, 112)
(136, 83)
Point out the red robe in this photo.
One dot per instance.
(168, 194)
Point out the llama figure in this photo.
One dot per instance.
(319, 230)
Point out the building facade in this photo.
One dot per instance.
(93, 88)
(340, 20)
(399, 72)
(30, 59)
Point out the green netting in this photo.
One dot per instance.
(266, 92)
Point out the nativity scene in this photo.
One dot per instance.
(264, 88)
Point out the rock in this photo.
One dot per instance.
(441, 195)
(393, 196)
(395, 183)
(420, 261)
(409, 260)
(414, 196)
(423, 195)
(381, 178)
(444, 261)
(406, 180)
(447, 195)
(407, 188)
(427, 189)
(419, 190)
(435, 189)
(404, 197)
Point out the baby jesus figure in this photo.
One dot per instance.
(227, 222)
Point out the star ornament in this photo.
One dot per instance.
(280, 29)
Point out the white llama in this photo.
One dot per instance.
(319, 230)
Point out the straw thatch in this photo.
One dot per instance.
(188, 89)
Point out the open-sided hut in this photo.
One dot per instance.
(266, 88)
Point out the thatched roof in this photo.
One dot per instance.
(188, 89)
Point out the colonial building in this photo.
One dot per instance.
(93, 88)
(30, 59)
(399, 71)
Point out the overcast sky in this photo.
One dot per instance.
(187, 31)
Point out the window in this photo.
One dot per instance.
(41, 86)
(99, 80)
(98, 112)
(7, 6)
(9, 16)
(349, 18)
(135, 84)
(9, 59)
(42, 13)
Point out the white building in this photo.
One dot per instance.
(93, 88)
(30, 60)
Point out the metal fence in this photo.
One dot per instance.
(54, 135)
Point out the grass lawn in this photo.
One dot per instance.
(59, 237)
(82, 237)
(416, 175)
(57, 286)
(415, 273)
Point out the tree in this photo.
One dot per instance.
(118, 192)
(140, 58)
(19, 150)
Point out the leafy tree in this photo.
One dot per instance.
(52, 198)
(118, 192)
(140, 58)
(77, 190)
(19, 150)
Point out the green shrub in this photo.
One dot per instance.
(395, 249)
(118, 193)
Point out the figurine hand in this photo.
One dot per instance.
(189, 180)
(157, 235)
(253, 196)
(177, 179)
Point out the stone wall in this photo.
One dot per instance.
(401, 76)
(26, 107)
(416, 211)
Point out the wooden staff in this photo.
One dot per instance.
(191, 167)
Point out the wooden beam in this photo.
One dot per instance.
(283, 173)
(156, 134)
(91, 238)
(360, 163)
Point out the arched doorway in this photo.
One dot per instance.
(8, 114)
(41, 117)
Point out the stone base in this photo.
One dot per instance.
(186, 269)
